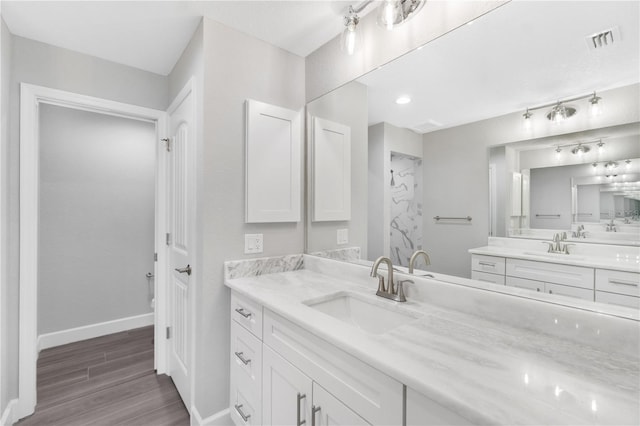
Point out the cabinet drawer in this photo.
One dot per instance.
(524, 283)
(247, 313)
(367, 391)
(243, 411)
(245, 359)
(618, 299)
(618, 282)
(576, 276)
(565, 290)
(487, 277)
(491, 264)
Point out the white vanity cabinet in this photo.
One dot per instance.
(488, 268)
(553, 278)
(281, 374)
(245, 374)
(618, 288)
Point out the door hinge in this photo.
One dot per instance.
(167, 142)
(155, 257)
(168, 332)
(168, 239)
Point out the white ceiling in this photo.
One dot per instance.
(524, 54)
(151, 35)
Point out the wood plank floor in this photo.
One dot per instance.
(108, 380)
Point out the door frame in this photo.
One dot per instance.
(31, 96)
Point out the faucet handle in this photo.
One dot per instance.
(550, 244)
(565, 248)
(400, 297)
(381, 286)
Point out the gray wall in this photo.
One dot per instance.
(346, 105)
(45, 65)
(236, 67)
(7, 312)
(97, 205)
(551, 195)
(461, 154)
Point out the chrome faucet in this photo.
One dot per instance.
(611, 227)
(415, 256)
(389, 291)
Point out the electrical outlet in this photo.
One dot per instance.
(253, 243)
(343, 236)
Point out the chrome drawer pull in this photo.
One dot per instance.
(314, 410)
(487, 264)
(241, 358)
(623, 283)
(244, 416)
(242, 312)
(298, 421)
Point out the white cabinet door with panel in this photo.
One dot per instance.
(328, 410)
(330, 171)
(273, 163)
(286, 392)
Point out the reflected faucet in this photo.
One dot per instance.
(388, 292)
(415, 256)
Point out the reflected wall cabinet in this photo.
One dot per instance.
(330, 170)
(273, 163)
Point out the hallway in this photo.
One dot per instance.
(109, 380)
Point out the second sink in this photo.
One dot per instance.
(372, 316)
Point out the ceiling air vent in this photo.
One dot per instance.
(604, 39)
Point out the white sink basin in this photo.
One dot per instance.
(554, 255)
(370, 315)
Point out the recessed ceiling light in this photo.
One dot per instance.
(403, 100)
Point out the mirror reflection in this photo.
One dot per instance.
(427, 127)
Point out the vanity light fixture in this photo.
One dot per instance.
(562, 111)
(349, 39)
(627, 163)
(580, 149)
(391, 13)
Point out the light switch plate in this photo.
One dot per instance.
(343, 236)
(253, 243)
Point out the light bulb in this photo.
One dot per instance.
(526, 124)
(388, 14)
(558, 153)
(600, 147)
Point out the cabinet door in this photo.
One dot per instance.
(565, 290)
(524, 283)
(286, 391)
(327, 410)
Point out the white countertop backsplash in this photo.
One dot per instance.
(495, 357)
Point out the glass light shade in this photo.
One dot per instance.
(349, 40)
(526, 122)
(389, 14)
(596, 106)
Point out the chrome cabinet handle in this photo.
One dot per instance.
(244, 416)
(241, 358)
(242, 312)
(298, 421)
(623, 283)
(186, 270)
(314, 410)
(487, 264)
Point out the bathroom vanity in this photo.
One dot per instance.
(314, 345)
(594, 272)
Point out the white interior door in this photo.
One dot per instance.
(180, 243)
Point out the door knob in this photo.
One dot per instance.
(186, 270)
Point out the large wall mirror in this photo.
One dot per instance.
(413, 162)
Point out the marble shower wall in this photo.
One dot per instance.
(406, 207)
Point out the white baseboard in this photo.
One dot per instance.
(221, 418)
(77, 334)
(8, 415)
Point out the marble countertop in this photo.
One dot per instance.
(487, 369)
(619, 262)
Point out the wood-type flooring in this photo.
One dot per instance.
(108, 380)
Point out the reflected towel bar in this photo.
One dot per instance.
(585, 214)
(547, 215)
(468, 218)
